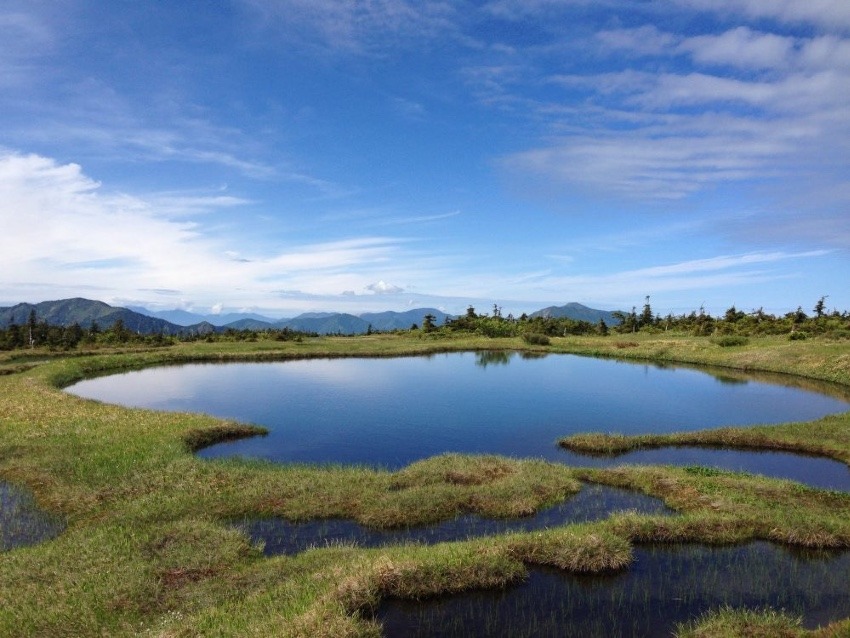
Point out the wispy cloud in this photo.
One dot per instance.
(711, 278)
(364, 28)
(26, 39)
(830, 14)
(62, 228)
(735, 106)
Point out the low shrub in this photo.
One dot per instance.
(727, 341)
(535, 339)
(625, 344)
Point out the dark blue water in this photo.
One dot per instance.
(22, 522)
(665, 585)
(390, 412)
(592, 503)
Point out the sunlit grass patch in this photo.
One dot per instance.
(578, 549)
(742, 623)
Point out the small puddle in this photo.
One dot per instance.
(22, 522)
(665, 585)
(813, 471)
(593, 502)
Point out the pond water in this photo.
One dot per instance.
(665, 585)
(22, 522)
(392, 411)
(593, 502)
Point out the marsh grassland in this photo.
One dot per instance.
(147, 548)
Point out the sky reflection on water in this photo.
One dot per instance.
(391, 412)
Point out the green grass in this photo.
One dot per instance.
(147, 550)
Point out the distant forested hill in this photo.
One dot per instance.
(577, 312)
(85, 312)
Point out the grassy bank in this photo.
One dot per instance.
(148, 551)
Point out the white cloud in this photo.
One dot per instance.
(648, 166)
(829, 14)
(383, 288)
(728, 107)
(62, 230)
(795, 93)
(826, 51)
(740, 47)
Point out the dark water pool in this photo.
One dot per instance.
(22, 522)
(390, 412)
(664, 586)
(593, 502)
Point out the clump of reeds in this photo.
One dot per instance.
(574, 550)
(727, 622)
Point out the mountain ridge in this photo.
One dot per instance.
(577, 311)
(85, 312)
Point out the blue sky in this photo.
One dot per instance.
(284, 156)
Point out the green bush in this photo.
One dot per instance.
(536, 339)
(727, 341)
(798, 335)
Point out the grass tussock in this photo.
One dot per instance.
(574, 550)
(444, 569)
(742, 623)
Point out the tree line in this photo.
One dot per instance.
(797, 324)
(37, 333)
(732, 324)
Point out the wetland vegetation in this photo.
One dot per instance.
(149, 547)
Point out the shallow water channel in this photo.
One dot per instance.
(665, 585)
(592, 503)
(392, 411)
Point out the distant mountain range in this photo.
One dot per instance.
(85, 312)
(185, 318)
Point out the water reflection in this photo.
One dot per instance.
(666, 585)
(392, 412)
(493, 357)
(593, 502)
(22, 522)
